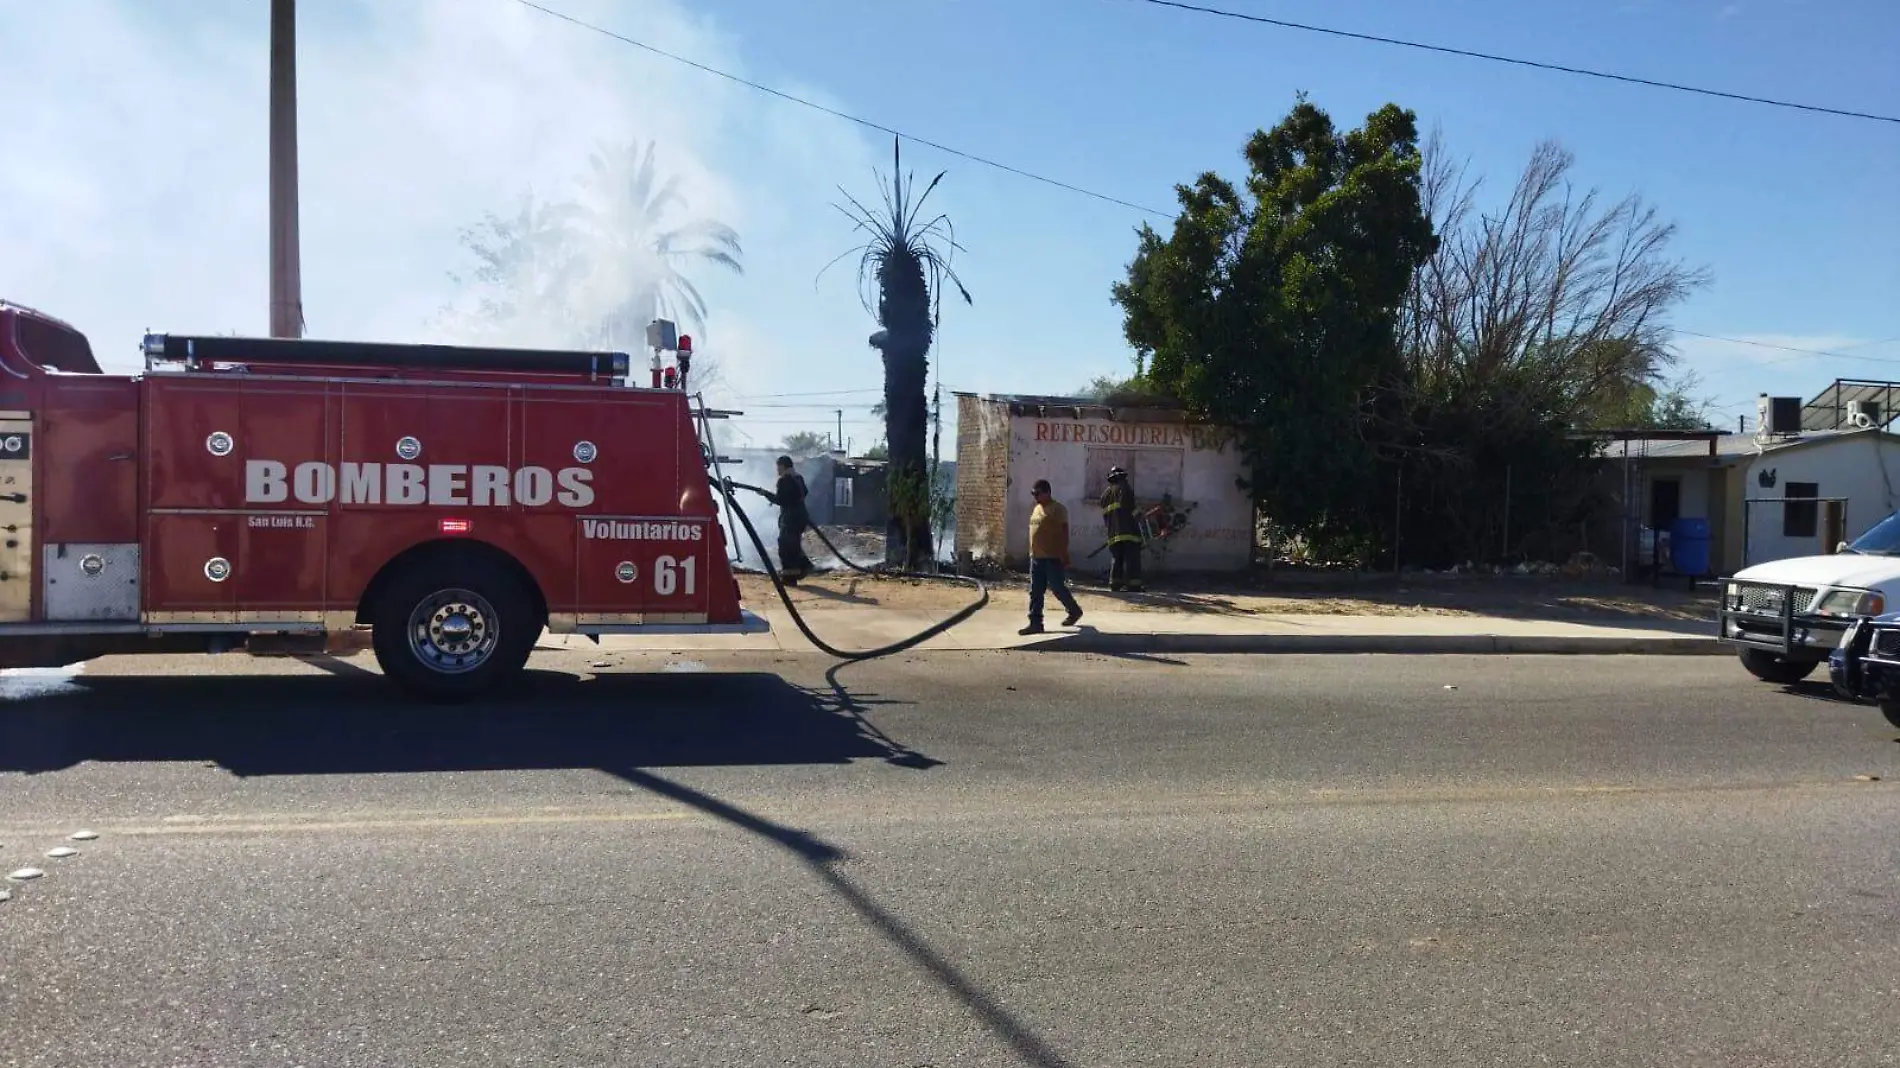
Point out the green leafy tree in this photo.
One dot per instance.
(1273, 309)
(1674, 408)
(805, 443)
(903, 265)
(1135, 391)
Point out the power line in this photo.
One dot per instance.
(867, 123)
(1791, 348)
(1871, 344)
(1652, 83)
(813, 393)
(819, 406)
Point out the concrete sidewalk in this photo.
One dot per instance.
(1125, 631)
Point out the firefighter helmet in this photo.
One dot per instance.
(1116, 474)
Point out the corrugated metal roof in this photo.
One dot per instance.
(1728, 447)
(1828, 410)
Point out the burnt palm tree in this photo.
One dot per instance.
(905, 262)
(642, 254)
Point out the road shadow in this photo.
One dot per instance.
(1816, 690)
(848, 595)
(822, 859)
(350, 722)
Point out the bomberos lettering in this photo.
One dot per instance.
(438, 485)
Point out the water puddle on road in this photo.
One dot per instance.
(26, 684)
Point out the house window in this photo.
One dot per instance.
(841, 488)
(1799, 518)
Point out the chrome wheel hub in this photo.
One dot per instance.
(453, 631)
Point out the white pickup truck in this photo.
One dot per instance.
(1786, 616)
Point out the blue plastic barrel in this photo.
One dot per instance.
(1689, 545)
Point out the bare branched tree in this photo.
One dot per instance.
(1555, 295)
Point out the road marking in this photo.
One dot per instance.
(1013, 807)
(255, 825)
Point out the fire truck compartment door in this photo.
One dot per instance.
(191, 561)
(91, 582)
(16, 517)
(634, 570)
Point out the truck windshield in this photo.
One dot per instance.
(1882, 540)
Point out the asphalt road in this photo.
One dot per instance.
(958, 859)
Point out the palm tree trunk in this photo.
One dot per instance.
(907, 536)
(905, 310)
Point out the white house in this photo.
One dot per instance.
(1753, 490)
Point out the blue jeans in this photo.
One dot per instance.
(1046, 574)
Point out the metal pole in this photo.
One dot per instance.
(1507, 512)
(1629, 530)
(840, 437)
(286, 283)
(1398, 521)
(1747, 517)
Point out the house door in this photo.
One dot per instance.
(1665, 503)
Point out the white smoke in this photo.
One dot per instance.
(134, 192)
(134, 189)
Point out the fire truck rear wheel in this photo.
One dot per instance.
(454, 628)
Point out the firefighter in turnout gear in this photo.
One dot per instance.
(1124, 532)
(793, 564)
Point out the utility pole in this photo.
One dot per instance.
(286, 281)
(840, 438)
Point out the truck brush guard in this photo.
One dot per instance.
(1773, 616)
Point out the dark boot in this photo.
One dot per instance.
(1069, 620)
(1034, 627)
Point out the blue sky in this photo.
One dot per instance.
(132, 188)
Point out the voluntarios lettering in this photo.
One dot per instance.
(642, 530)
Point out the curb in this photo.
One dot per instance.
(1415, 644)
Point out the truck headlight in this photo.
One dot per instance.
(1849, 603)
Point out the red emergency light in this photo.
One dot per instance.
(456, 526)
(686, 343)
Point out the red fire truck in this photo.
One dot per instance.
(280, 495)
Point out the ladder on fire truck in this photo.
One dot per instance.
(709, 455)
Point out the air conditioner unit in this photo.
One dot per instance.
(1778, 415)
(1863, 414)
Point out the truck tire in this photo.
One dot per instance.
(453, 627)
(1890, 708)
(1768, 667)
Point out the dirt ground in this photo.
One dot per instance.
(1514, 596)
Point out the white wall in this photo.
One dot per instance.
(1197, 464)
(1862, 467)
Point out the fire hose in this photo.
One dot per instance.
(728, 485)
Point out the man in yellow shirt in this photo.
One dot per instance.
(1048, 558)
